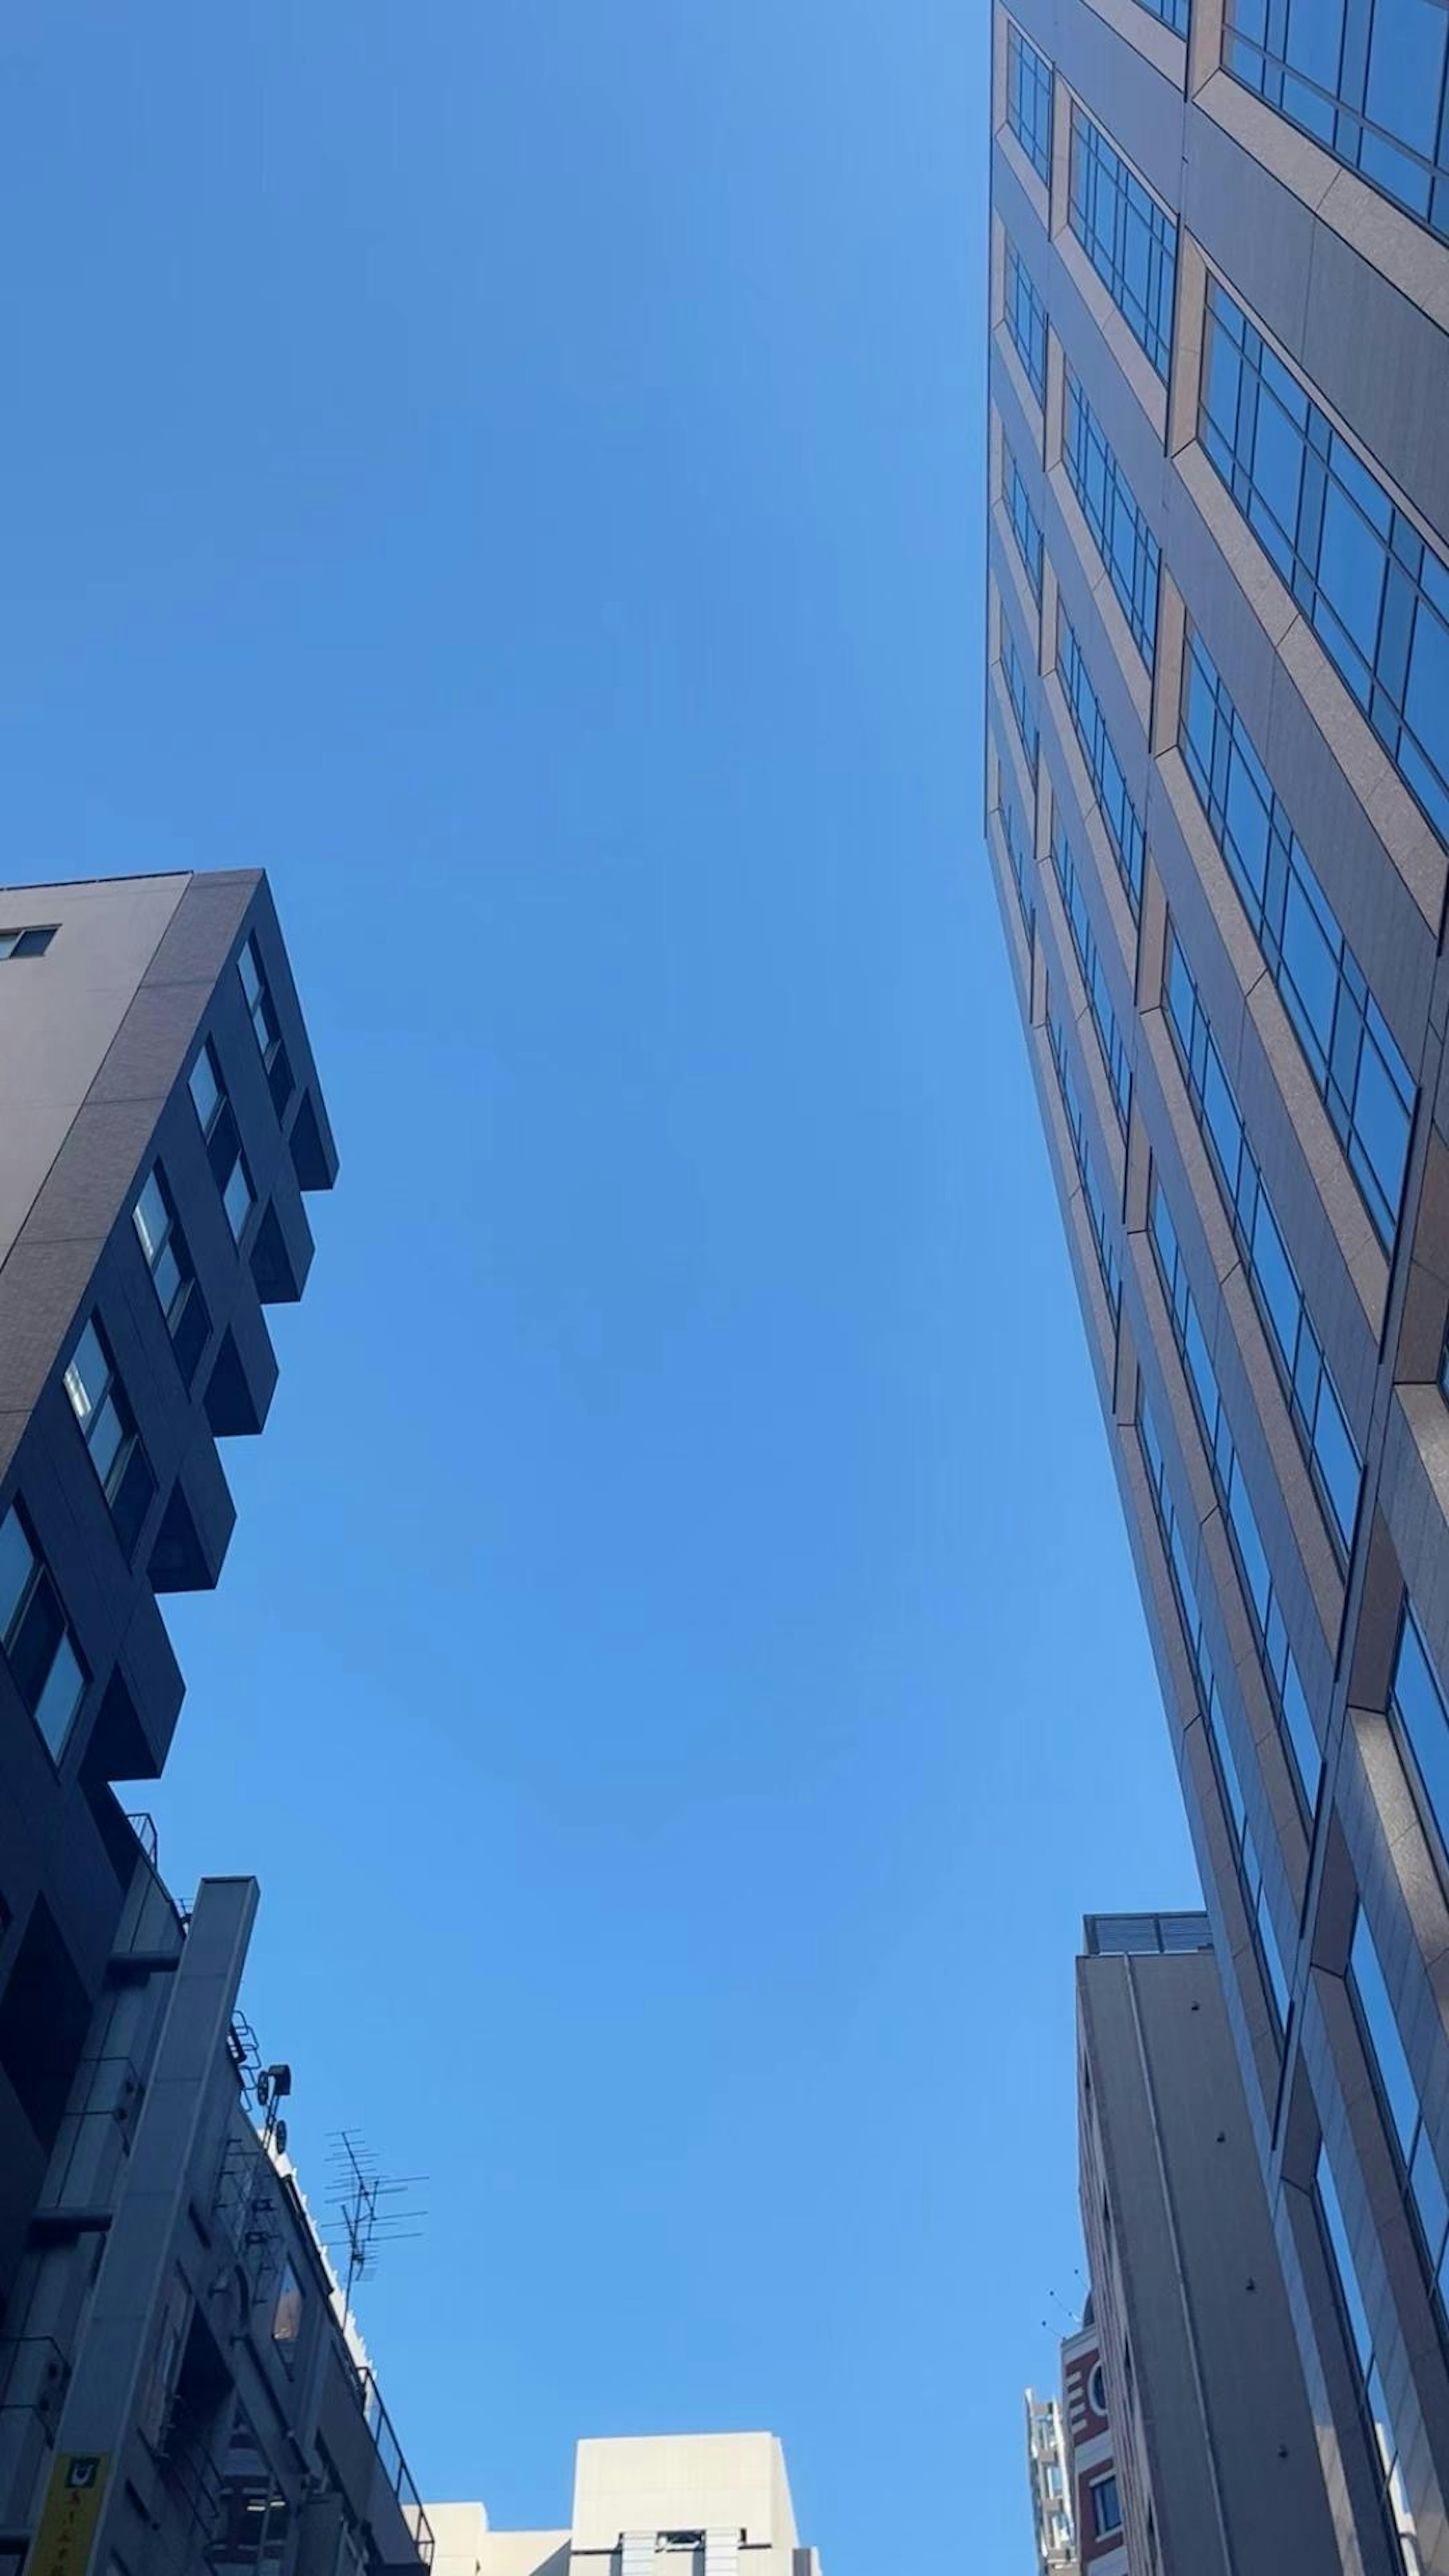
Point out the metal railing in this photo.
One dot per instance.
(394, 2466)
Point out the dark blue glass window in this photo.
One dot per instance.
(1026, 321)
(1362, 1078)
(1025, 525)
(1103, 1232)
(1416, 1704)
(1383, 2439)
(1018, 689)
(1120, 533)
(1275, 1655)
(1130, 241)
(1399, 2095)
(1029, 101)
(1173, 13)
(1366, 78)
(1318, 1417)
(1109, 779)
(1210, 1704)
(1104, 1018)
(1374, 594)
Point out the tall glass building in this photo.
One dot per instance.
(1217, 788)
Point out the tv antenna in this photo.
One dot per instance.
(365, 2201)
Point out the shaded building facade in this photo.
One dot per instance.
(1217, 788)
(180, 2385)
(160, 1120)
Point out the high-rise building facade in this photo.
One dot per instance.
(1217, 787)
(1215, 2468)
(1048, 2471)
(160, 1119)
(675, 2504)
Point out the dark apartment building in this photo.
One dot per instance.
(181, 2384)
(160, 1121)
(1217, 788)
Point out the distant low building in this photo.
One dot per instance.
(1049, 2479)
(684, 2504)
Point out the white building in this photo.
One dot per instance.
(669, 2504)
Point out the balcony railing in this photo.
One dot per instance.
(394, 2466)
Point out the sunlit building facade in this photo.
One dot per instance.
(1217, 793)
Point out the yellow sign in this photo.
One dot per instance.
(72, 2509)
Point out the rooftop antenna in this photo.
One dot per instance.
(365, 2199)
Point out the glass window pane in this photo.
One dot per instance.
(61, 1696)
(205, 1089)
(237, 1198)
(87, 1376)
(151, 1217)
(17, 1560)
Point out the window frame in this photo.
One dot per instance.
(37, 1585)
(128, 1480)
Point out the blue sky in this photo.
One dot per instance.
(514, 467)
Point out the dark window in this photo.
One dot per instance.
(287, 2315)
(108, 1428)
(26, 943)
(1018, 690)
(1029, 101)
(173, 1276)
(1361, 1076)
(223, 1143)
(1089, 958)
(1120, 533)
(44, 2016)
(1366, 78)
(1375, 595)
(1106, 2506)
(266, 1027)
(1025, 525)
(1130, 241)
(1109, 779)
(1026, 321)
(1313, 1401)
(45, 1663)
(1094, 1199)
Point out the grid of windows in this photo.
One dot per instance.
(1421, 1720)
(1026, 321)
(1089, 958)
(1250, 1870)
(1366, 78)
(1374, 594)
(108, 1427)
(1018, 690)
(1275, 1655)
(1109, 779)
(1120, 533)
(1025, 525)
(1356, 2317)
(1130, 241)
(1029, 101)
(1173, 13)
(35, 1635)
(1400, 2097)
(164, 1251)
(223, 1144)
(1313, 1401)
(1362, 1078)
(1092, 1198)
